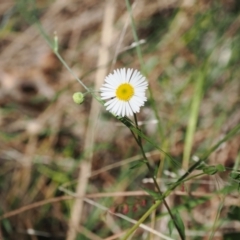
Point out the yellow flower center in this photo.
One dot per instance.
(124, 92)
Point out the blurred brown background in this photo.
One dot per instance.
(45, 136)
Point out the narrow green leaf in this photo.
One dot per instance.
(235, 175)
(220, 168)
(180, 224)
(210, 170)
(155, 195)
(52, 174)
(139, 133)
(7, 226)
(138, 164)
(193, 118)
(170, 226)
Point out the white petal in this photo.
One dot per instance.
(107, 86)
(123, 74)
(129, 73)
(107, 92)
(129, 110)
(134, 106)
(141, 83)
(107, 95)
(133, 76)
(118, 76)
(124, 109)
(119, 110)
(115, 108)
(111, 102)
(136, 101)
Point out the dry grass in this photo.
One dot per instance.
(45, 138)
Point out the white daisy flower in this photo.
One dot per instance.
(126, 90)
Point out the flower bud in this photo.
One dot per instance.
(78, 97)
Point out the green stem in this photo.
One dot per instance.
(158, 202)
(140, 57)
(135, 36)
(139, 141)
(193, 119)
(152, 102)
(142, 219)
(54, 46)
(70, 70)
